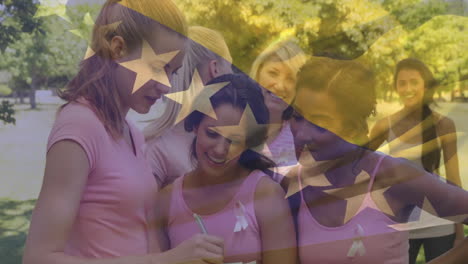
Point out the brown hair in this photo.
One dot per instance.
(135, 20)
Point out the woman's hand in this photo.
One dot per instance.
(198, 249)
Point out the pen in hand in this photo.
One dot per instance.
(200, 223)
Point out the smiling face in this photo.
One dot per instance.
(212, 149)
(146, 96)
(410, 87)
(279, 81)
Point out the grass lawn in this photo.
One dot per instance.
(23, 153)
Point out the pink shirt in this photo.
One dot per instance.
(113, 216)
(243, 245)
(369, 227)
(281, 150)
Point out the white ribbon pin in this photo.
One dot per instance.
(252, 262)
(358, 245)
(241, 223)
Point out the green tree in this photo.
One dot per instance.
(7, 112)
(50, 54)
(16, 17)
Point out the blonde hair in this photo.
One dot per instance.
(205, 45)
(135, 20)
(285, 51)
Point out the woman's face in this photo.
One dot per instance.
(151, 90)
(216, 154)
(317, 125)
(410, 87)
(279, 81)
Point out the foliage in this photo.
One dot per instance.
(7, 112)
(16, 17)
(378, 33)
(5, 90)
(50, 54)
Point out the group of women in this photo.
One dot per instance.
(277, 170)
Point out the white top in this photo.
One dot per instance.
(412, 151)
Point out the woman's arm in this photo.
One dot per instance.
(457, 255)
(65, 177)
(161, 216)
(276, 224)
(449, 149)
(405, 185)
(378, 134)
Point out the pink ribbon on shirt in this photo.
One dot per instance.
(241, 223)
(358, 246)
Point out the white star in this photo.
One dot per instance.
(150, 66)
(312, 174)
(247, 125)
(428, 218)
(196, 98)
(381, 201)
(354, 194)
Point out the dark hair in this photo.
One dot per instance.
(431, 160)
(240, 92)
(350, 84)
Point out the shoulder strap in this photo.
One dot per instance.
(375, 170)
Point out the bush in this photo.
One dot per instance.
(7, 112)
(5, 90)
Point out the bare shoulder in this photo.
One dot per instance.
(382, 125)
(445, 125)
(393, 171)
(267, 187)
(269, 195)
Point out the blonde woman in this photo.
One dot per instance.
(168, 144)
(98, 196)
(275, 69)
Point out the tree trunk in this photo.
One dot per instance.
(32, 98)
(21, 97)
(32, 93)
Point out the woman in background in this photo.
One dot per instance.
(168, 143)
(275, 69)
(421, 135)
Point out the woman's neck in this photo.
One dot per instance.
(412, 113)
(273, 131)
(276, 117)
(337, 170)
(199, 178)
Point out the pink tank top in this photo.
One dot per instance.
(365, 238)
(282, 152)
(235, 223)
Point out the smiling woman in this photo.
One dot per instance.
(227, 188)
(275, 70)
(419, 134)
